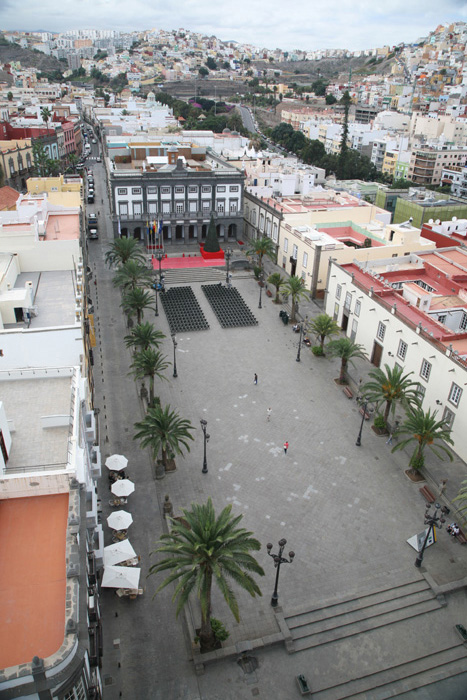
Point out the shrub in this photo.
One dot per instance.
(417, 462)
(317, 350)
(219, 630)
(379, 422)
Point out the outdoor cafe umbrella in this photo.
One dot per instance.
(123, 487)
(116, 463)
(120, 551)
(120, 520)
(121, 577)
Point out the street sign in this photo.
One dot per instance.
(416, 541)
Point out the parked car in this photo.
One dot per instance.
(93, 234)
(99, 159)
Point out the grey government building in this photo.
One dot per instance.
(180, 184)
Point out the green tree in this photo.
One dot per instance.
(261, 247)
(135, 301)
(295, 288)
(132, 274)
(208, 549)
(319, 87)
(149, 363)
(277, 281)
(423, 429)
(144, 336)
(9, 96)
(390, 386)
(211, 244)
(203, 71)
(123, 249)
(211, 64)
(44, 166)
(323, 326)
(45, 114)
(345, 349)
(330, 99)
(72, 161)
(162, 430)
(346, 101)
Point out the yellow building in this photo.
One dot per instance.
(66, 190)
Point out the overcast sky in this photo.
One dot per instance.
(303, 24)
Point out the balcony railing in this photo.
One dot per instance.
(145, 218)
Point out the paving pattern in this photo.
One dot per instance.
(228, 305)
(183, 311)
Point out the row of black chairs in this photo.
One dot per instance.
(228, 305)
(183, 312)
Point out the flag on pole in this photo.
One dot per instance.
(159, 235)
(119, 228)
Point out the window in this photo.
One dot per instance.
(193, 206)
(165, 190)
(220, 188)
(442, 318)
(274, 232)
(123, 209)
(78, 692)
(338, 291)
(294, 252)
(136, 190)
(402, 350)
(421, 392)
(122, 190)
(286, 244)
(179, 208)
(233, 206)
(137, 209)
(336, 311)
(220, 207)
(206, 189)
(353, 332)
(381, 331)
(234, 188)
(448, 417)
(358, 306)
(261, 222)
(152, 207)
(166, 207)
(152, 190)
(206, 206)
(425, 370)
(193, 189)
(463, 323)
(179, 190)
(348, 300)
(455, 394)
(305, 260)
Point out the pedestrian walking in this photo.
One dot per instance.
(269, 411)
(389, 440)
(256, 378)
(286, 447)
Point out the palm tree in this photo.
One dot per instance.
(204, 549)
(149, 363)
(295, 288)
(123, 249)
(462, 499)
(277, 281)
(135, 301)
(45, 114)
(132, 274)
(422, 428)
(323, 326)
(143, 337)
(261, 247)
(346, 349)
(162, 430)
(390, 386)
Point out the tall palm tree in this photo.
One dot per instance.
(149, 363)
(123, 249)
(162, 430)
(423, 429)
(390, 386)
(135, 301)
(132, 274)
(143, 337)
(323, 326)
(295, 288)
(207, 549)
(261, 247)
(277, 281)
(346, 349)
(45, 114)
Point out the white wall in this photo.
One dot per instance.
(51, 347)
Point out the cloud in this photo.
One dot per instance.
(353, 24)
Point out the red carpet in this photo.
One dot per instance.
(184, 262)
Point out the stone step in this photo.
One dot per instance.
(336, 608)
(200, 274)
(358, 625)
(396, 680)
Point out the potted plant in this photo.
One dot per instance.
(379, 425)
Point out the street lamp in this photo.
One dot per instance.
(278, 560)
(228, 254)
(363, 401)
(159, 257)
(260, 279)
(206, 439)
(301, 325)
(175, 359)
(431, 521)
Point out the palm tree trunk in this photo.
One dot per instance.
(164, 458)
(387, 409)
(343, 369)
(206, 634)
(322, 337)
(151, 389)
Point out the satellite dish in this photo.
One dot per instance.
(454, 218)
(437, 221)
(430, 221)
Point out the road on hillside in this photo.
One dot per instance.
(247, 119)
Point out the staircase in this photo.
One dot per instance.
(200, 274)
(338, 629)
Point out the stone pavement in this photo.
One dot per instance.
(346, 511)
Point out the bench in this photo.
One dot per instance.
(364, 413)
(427, 494)
(461, 537)
(347, 391)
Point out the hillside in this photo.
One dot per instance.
(334, 69)
(30, 59)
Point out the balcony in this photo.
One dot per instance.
(90, 426)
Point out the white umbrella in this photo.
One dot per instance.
(122, 487)
(116, 463)
(120, 551)
(121, 577)
(119, 520)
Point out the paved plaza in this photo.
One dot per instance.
(345, 511)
